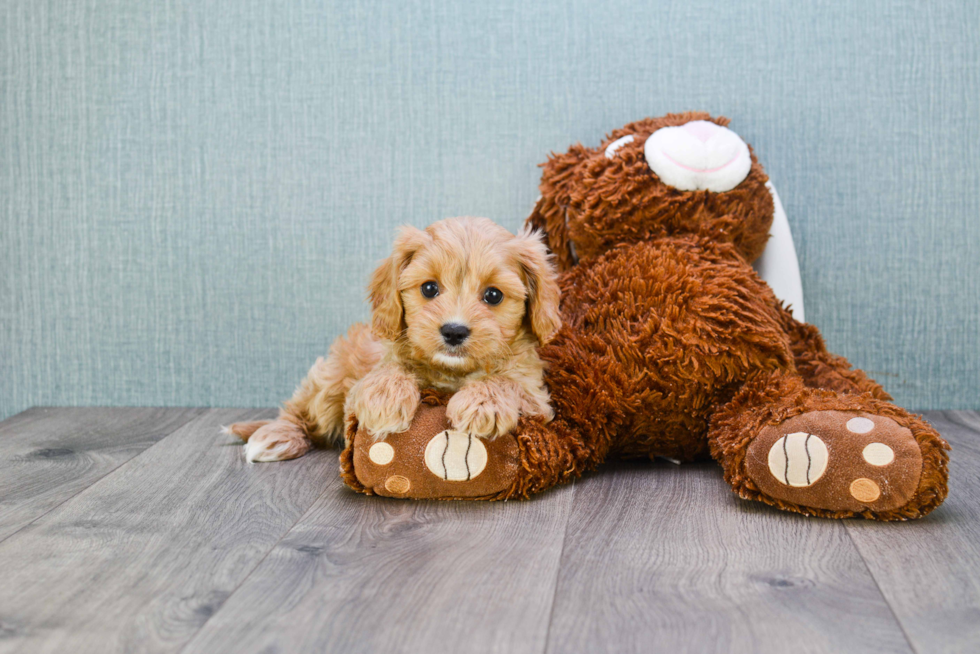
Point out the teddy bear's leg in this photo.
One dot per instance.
(822, 369)
(828, 453)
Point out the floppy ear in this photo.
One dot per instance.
(388, 317)
(541, 280)
(549, 211)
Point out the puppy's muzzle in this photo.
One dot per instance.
(454, 333)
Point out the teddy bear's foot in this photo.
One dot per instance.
(431, 461)
(838, 461)
(828, 454)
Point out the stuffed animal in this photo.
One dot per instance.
(672, 346)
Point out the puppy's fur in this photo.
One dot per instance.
(376, 372)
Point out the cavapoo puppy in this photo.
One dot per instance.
(460, 307)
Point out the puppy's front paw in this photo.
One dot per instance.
(476, 409)
(385, 404)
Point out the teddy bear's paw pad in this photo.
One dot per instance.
(455, 456)
(433, 461)
(837, 460)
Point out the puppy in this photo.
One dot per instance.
(460, 307)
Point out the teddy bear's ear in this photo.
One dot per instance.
(550, 214)
(388, 315)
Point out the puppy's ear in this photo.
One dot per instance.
(541, 281)
(388, 313)
(549, 211)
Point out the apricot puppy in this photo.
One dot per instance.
(460, 307)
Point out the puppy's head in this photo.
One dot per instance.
(461, 293)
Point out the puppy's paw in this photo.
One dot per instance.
(277, 441)
(384, 404)
(479, 409)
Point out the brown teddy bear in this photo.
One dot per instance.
(672, 346)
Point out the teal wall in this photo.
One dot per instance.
(193, 193)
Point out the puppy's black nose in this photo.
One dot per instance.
(454, 333)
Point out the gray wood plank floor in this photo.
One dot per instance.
(665, 558)
(144, 530)
(49, 455)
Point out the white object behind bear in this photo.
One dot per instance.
(778, 265)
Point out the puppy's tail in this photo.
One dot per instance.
(244, 430)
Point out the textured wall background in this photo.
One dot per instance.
(193, 193)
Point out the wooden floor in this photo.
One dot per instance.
(144, 530)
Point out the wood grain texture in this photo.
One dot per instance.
(185, 547)
(367, 574)
(142, 558)
(663, 558)
(51, 454)
(929, 570)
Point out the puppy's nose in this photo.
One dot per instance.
(454, 333)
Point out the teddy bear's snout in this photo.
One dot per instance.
(698, 156)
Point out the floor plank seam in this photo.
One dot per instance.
(99, 479)
(891, 609)
(255, 567)
(561, 557)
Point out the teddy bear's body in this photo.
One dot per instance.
(669, 330)
(673, 346)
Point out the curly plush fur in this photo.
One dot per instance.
(673, 346)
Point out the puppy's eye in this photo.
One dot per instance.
(493, 295)
(430, 290)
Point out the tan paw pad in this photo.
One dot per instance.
(798, 459)
(381, 454)
(455, 456)
(864, 490)
(397, 484)
(878, 454)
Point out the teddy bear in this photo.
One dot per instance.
(672, 346)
